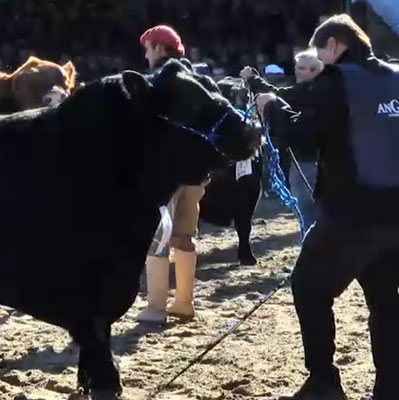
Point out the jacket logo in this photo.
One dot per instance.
(391, 109)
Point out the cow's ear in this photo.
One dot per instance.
(135, 83)
(70, 70)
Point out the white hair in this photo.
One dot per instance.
(309, 55)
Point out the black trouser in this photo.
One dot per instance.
(333, 255)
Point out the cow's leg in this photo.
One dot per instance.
(98, 370)
(247, 198)
(242, 222)
(83, 377)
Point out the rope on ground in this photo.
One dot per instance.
(162, 387)
(300, 172)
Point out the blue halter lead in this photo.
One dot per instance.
(277, 179)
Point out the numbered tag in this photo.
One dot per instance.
(243, 168)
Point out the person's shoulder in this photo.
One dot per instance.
(330, 79)
(187, 63)
(331, 71)
(327, 90)
(301, 86)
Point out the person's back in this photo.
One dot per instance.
(371, 89)
(352, 90)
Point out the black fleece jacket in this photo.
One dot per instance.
(325, 126)
(297, 96)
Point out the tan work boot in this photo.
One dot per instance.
(157, 288)
(185, 262)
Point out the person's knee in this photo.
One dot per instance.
(184, 243)
(300, 284)
(297, 283)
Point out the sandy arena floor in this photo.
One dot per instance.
(262, 359)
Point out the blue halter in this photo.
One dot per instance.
(211, 137)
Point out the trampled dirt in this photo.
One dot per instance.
(261, 360)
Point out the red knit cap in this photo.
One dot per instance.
(165, 35)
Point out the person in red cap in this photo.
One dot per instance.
(161, 44)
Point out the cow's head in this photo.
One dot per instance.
(136, 112)
(193, 100)
(36, 83)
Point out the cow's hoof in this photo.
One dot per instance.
(104, 395)
(83, 382)
(249, 260)
(83, 389)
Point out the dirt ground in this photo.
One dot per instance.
(261, 360)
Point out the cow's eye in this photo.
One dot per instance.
(47, 101)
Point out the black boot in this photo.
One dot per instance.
(319, 388)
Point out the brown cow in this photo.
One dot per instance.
(34, 84)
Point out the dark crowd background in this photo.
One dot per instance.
(102, 36)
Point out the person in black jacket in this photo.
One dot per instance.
(307, 67)
(256, 84)
(354, 124)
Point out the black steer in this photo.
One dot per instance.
(81, 185)
(227, 199)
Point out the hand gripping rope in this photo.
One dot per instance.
(277, 179)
